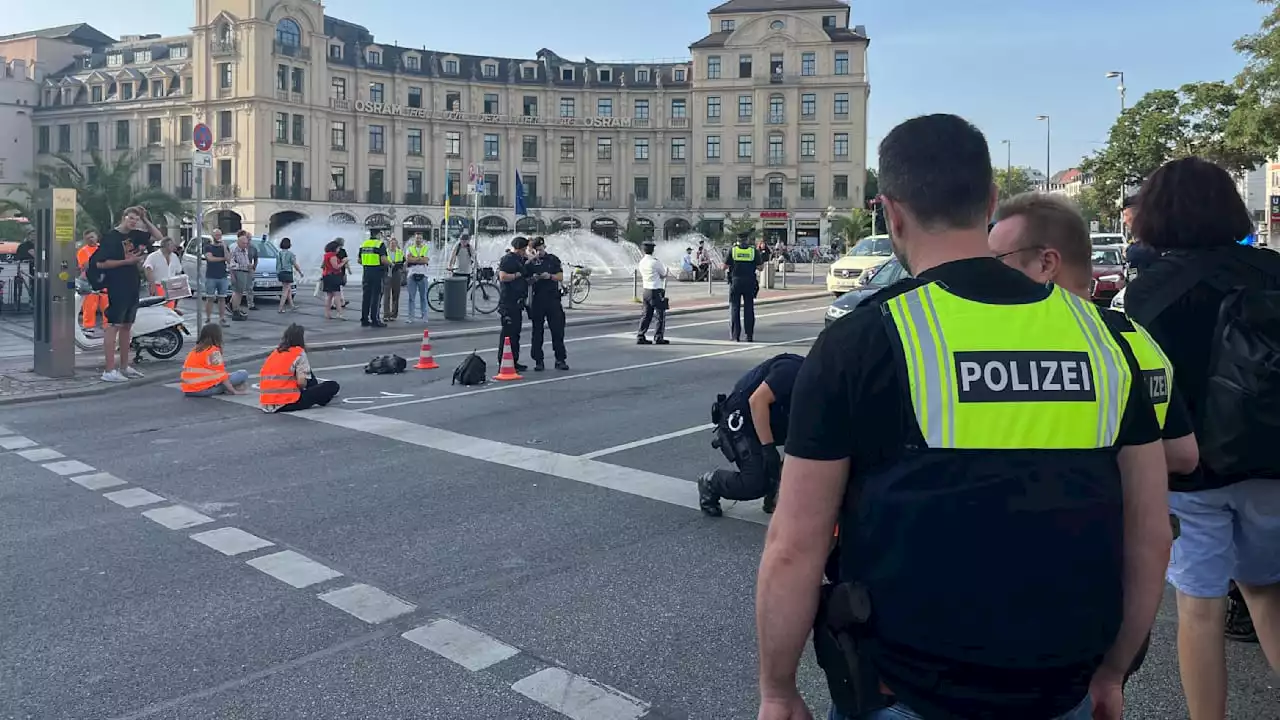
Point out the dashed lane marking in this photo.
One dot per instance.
(647, 441)
(5, 430)
(293, 568)
(231, 541)
(16, 442)
(368, 603)
(98, 481)
(578, 697)
(68, 467)
(177, 517)
(133, 497)
(39, 454)
(463, 645)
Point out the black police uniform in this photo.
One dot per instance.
(511, 302)
(936, 573)
(545, 307)
(736, 435)
(371, 280)
(743, 287)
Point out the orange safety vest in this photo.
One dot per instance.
(278, 385)
(83, 254)
(198, 373)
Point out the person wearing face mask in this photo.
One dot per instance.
(545, 274)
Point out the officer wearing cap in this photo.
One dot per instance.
(741, 263)
(991, 456)
(653, 277)
(545, 312)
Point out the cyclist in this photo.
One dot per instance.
(463, 258)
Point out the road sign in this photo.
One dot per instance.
(202, 136)
(479, 187)
(202, 160)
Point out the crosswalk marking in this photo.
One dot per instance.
(68, 467)
(98, 481)
(177, 517)
(231, 541)
(293, 568)
(463, 645)
(16, 442)
(133, 497)
(39, 454)
(368, 603)
(578, 697)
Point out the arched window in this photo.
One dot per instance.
(288, 33)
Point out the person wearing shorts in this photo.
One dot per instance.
(123, 251)
(241, 263)
(216, 285)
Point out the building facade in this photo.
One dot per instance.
(312, 118)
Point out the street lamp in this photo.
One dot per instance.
(1008, 163)
(1048, 146)
(1119, 74)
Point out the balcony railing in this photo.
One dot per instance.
(185, 192)
(223, 192)
(777, 160)
(282, 94)
(674, 202)
(342, 196)
(453, 200)
(223, 48)
(678, 122)
(300, 52)
(290, 192)
(415, 198)
(378, 197)
(809, 203)
(532, 201)
(777, 203)
(493, 201)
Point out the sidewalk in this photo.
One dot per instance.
(611, 299)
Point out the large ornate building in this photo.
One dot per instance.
(312, 117)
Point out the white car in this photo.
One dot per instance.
(1117, 302)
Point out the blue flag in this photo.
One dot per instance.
(520, 208)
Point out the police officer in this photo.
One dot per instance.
(373, 264)
(974, 433)
(546, 273)
(740, 269)
(751, 422)
(513, 294)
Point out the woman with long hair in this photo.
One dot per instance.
(286, 264)
(331, 278)
(286, 382)
(203, 372)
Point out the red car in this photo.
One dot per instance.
(1108, 274)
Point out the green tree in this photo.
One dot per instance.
(851, 227)
(871, 189)
(733, 227)
(1255, 122)
(1013, 181)
(1091, 205)
(634, 233)
(1144, 137)
(1206, 110)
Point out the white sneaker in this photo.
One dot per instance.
(131, 372)
(114, 377)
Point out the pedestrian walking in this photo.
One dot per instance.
(395, 277)
(546, 273)
(373, 264)
(741, 263)
(416, 259)
(123, 251)
(161, 266)
(286, 266)
(203, 371)
(513, 292)
(333, 271)
(653, 277)
(217, 286)
(1012, 438)
(241, 267)
(94, 303)
(287, 383)
(1211, 304)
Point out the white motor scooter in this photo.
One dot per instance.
(156, 329)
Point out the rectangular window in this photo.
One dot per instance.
(566, 148)
(744, 187)
(744, 107)
(807, 186)
(282, 127)
(566, 107)
(530, 187)
(828, 21)
(677, 148)
(677, 188)
(153, 132)
(122, 134)
(184, 129)
(42, 139)
(808, 106)
(338, 178)
(713, 108)
(842, 104)
(335, 52)
(338, 135)
(726, 25)
(640, 188)
(840, 187)
(642, 75)
(713, 67)
(678, 108)
(808, 145)
(604, 107)
(604, 148)
(842, 62)
(415, 97)
(713, 187)
(529, 147)
(775, 65)
(282, 77)
(93, 142)
(777, 110)
(377, 92)
(642, 149)
(744, 66)
(297, 80)
(413, 62)
(224, 76)
(95, 94)
(185, 176)
(678, 75)
(489, 70)
(224, 173)
(491, 146)
(178, 52)
(529, 73)
(451, 67)
(530, 106)
(744, 147)
(452, 144)
(299, 130)
(842, 145)
(226, 128)
(377, 139)
(641, 110)
(491, 104)
(154, 175)
(126, 91)
(808, 64)
(775, 148)
(453, 102)
(64, 137)
(415, 141)
(604, 188)
(282, 173)
(566, 74)
(414, 184)
(338, 88)
(377, 181)
(566, 187)
(713, 147)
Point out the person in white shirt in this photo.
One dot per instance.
(463, 256)
(416, 260)
(653, 276)
(160, 266)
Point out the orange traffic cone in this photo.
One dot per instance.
(425, 360)
(507, 371)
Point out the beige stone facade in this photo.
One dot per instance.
(312, 117)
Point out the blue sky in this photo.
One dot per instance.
(999, 63)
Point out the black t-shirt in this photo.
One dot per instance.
(26, 250)
(124, 279)
(513, 291)
(215, 270)
(780, 373)
(849, 402)
(545, 290)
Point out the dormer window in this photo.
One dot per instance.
(335, 52)
(86, 62)
(115, 59)
(142, 56)
(178, 52)
(95, 94)
(451, 67)
(726, 26)
(413, 62)
(828, 21)
(777, 25)
(679, 74)
(605, 75)
(490, 70)
(126, 91)
(529, 73)
(566, 74)
(642, 75)
(374, 57)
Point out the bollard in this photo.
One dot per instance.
(710, 292)
(812, 263)
(783, 266)
(635, 285)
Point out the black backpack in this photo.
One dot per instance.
(386, 365)
(96, 276)
(471, 371)
(1239, 419)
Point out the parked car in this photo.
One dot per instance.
(265, 284)
(1108, 274)
(1106, 239)
(888, 272)
(867, 253)
(1117, 302)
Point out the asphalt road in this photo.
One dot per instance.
(417, 550)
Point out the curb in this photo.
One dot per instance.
(170, 375)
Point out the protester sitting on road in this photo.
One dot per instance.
(203, 372)
(286, 382)
(1229, 508)
(332, 275)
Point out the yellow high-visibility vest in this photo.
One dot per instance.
(744, 254)
(1157, 371)
(369, 253)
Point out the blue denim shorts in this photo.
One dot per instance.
(217, 287)
(1232, 533)
(1083, 711)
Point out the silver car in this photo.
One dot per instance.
(265, 282)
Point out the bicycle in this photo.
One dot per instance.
(481, 288)
(579, 284)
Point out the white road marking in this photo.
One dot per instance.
(177, 517)
(98, 481)
(133, 497)
(68, 467)
(465, 646)
(578, 697)
(293, 568)
(647, 441)
(231, 541)
(16, 442)
(368, 603)
(593, 373)
(39, 454)
(5, 431)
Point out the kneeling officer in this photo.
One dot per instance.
(750, 424)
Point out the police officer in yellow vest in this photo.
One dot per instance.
(740, 270)
(373, 265)
(992, 459)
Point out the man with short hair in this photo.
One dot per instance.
(241, 266)
(373, 269)
(95, 302)
(123, 251)
(160, 266)
(217, 285)
(513, 292)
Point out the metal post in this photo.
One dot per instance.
(198, 231)
(635, 286)
(710, 291)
